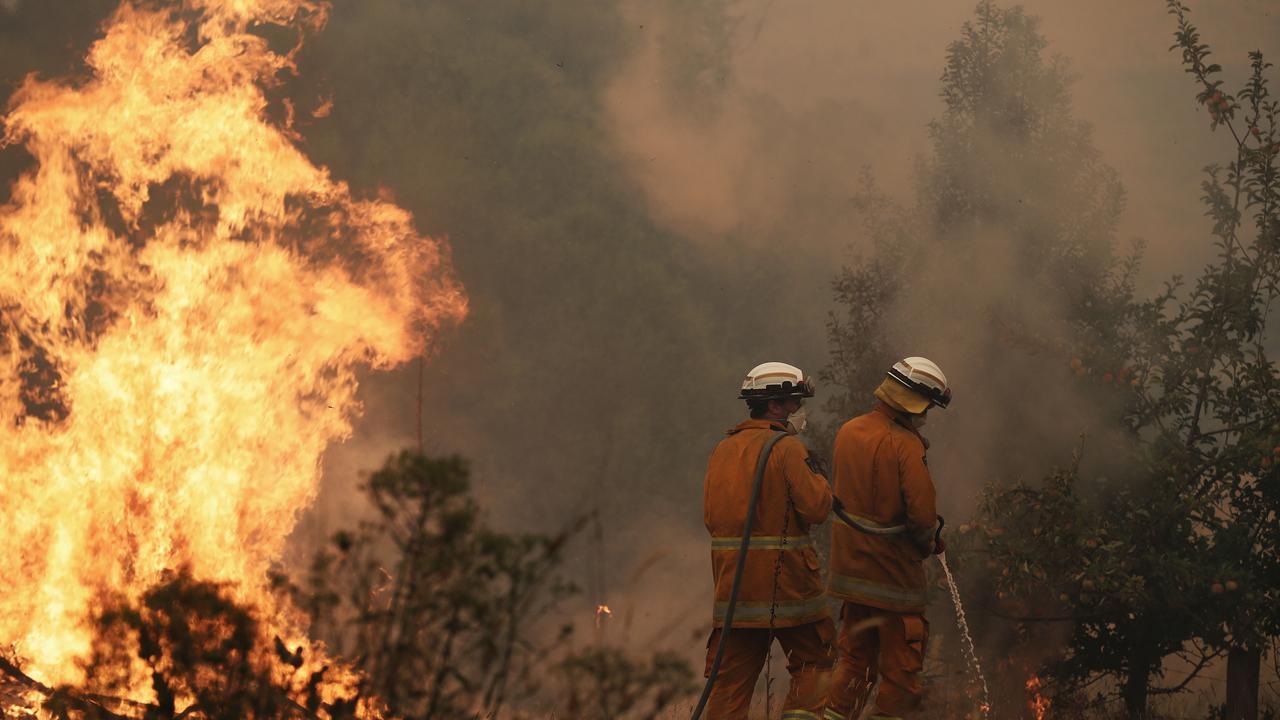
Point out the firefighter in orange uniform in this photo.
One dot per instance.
(886, 526)
(781, 594)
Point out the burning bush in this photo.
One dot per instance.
(197, 651)
(438, 615)
(203, 656)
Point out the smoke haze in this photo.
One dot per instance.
(819, 90)
(646, 199)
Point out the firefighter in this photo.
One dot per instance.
(781, 593)
(886, 526)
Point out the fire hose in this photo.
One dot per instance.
(836, 507)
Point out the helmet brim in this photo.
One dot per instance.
(786, 390)
(931, 395)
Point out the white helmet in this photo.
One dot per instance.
(775, 381)
(924, 377)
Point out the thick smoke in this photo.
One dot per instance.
(816, 94)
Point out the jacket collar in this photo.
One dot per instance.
(758, 424)
(896, 417)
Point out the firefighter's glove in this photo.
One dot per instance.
(817, 466)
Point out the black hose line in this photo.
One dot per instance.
(837, 508)
(737, 573)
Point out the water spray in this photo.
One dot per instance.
(962, 621)
(966, 645)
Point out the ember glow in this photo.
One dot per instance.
(185, 301)
(1037, 703)
(602, 612)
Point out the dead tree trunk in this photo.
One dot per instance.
(1243, 666)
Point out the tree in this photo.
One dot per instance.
(1222, 403)
(445, 617)
(1005, 255)
(1176, 393)
(1010, 166)
(435, 608)
(1182, 561)
(1115, 562)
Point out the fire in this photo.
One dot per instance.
(1037, 703)
(602, 612)
(185, 302)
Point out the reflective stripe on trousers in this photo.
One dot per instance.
(800, 715)
(859, 590)
(763, 542)
(753, 610)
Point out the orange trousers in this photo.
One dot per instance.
(809, 660)
(877, 643)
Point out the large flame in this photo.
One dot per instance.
(184, 301)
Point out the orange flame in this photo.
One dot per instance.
(602, 612)
(1037, 703)
(185, 301)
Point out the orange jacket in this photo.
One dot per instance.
(726, 494)
(881, 477)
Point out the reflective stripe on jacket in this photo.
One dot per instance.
(881, 477)
(726, 494)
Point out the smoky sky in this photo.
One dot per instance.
(858, 82)
(644, 200)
